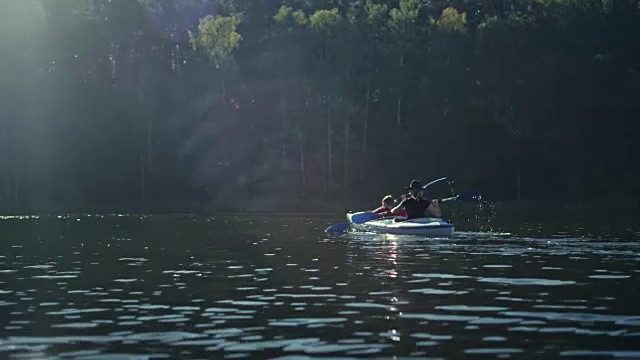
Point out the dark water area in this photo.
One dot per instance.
(258, 286)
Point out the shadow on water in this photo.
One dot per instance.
(95, 287)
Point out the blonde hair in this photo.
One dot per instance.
(387, 199)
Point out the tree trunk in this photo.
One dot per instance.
(323, 153)
(301, 138)
(16, 188)
(283, 125)
(7, 182)
(329, 141)
(367, 101)
(445, 112)
(149, 143)
(143, 182)
(518, 189)
(399, 110)
(347, 127)
(225, 147)
(365, 124)
(5, 162)
(303, 178)
(324, 177)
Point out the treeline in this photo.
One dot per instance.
(229, 100)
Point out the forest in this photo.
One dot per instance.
(106, 102)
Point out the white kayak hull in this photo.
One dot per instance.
(432, 227)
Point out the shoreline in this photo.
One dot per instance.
(323, 207)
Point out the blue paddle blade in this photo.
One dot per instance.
(362, 217)
(342, 227)
(356, 218)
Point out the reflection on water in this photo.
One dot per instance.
(254, 287)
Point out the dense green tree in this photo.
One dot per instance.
(139, 102)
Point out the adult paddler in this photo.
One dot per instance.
(415, 205)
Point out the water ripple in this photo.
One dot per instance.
(528, 281)
(154, 287)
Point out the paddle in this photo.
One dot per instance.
(468, 195)
(433, 182)
(364, 216)
(357, 218)
(340, 227)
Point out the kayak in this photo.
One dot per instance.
(420, 226)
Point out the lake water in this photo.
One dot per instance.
(147, 287)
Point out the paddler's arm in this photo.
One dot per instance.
(434, 208)
(397, 209)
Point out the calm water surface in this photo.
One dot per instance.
(146, 287)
